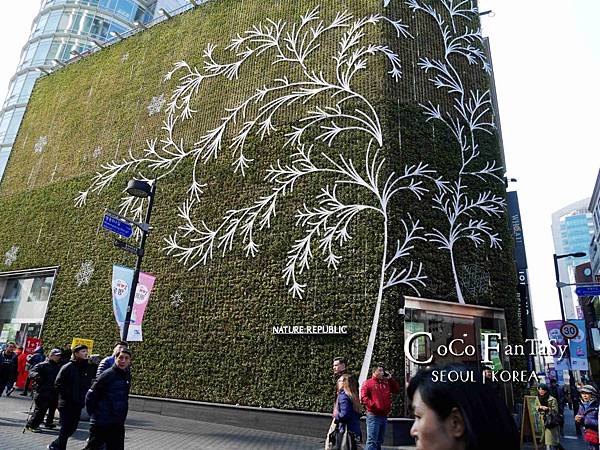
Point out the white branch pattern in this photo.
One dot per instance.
(466, 215)
(326, 106)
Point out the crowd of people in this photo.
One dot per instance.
(447, 415)
(582, 399)
(452, 415)
(66, 380)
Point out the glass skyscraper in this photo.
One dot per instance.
(63, 26)
(572, 230)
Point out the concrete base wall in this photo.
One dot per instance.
(302, 423)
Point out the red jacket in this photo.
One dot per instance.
(376, 395)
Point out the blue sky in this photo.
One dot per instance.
(546, 56)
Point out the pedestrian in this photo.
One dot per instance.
(21, 368)
(107, 403)
(557, 392)
(587, 416)
(8, 368)
(72, 382)
(43, 375)
(457, 415)
(347, 412)
(31, 360)
(109, 361)
(576, 399)
(376, 394)
(549, 412)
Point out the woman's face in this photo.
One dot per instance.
(431, 432)
(585, 396)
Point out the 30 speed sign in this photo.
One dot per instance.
(569, 330)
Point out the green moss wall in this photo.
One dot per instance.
(218, 346)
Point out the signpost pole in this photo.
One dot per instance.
(560, 298)
(138, 265)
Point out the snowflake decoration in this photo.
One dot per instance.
(40, 144)
(124, 57)
(156, 104)
(176, 299)
(97, 152)
(85, 273)
(11, 255)
(475, 279)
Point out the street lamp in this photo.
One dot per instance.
(140, 189)
(558, 285)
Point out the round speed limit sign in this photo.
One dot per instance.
(569, 330)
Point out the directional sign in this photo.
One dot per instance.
(127, 247)
(588, 291)
(116, 225)
(569, 330)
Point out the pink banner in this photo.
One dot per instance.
(142, 296)
(556, 339)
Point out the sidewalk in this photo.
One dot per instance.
(146, 431)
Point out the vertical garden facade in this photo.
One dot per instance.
(314, 161)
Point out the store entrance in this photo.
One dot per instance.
(456, 336)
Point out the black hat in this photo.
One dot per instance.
(80, 347)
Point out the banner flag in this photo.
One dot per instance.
(556, 339)
(121, 285)
(578, 347)
(142, 295)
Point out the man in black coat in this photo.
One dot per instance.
(72, 382)
(107, 403)
(8, 367)
(46, 396)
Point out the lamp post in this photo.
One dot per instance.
(141, 189)
(558, 285)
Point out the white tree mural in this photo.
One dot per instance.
(326, 106)
(466, 210)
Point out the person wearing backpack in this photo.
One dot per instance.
(32, 360)
(587, 416)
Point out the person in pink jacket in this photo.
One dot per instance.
(376, 395)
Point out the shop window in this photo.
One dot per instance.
(24, 299)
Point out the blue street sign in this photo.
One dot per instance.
(112, 223)
(588, 291)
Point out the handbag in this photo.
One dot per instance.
(552, 420)
(341, 440)
(591, 436)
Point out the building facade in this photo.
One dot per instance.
(594, 210)
(572, 231)
(324, 187)
(60, 28)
